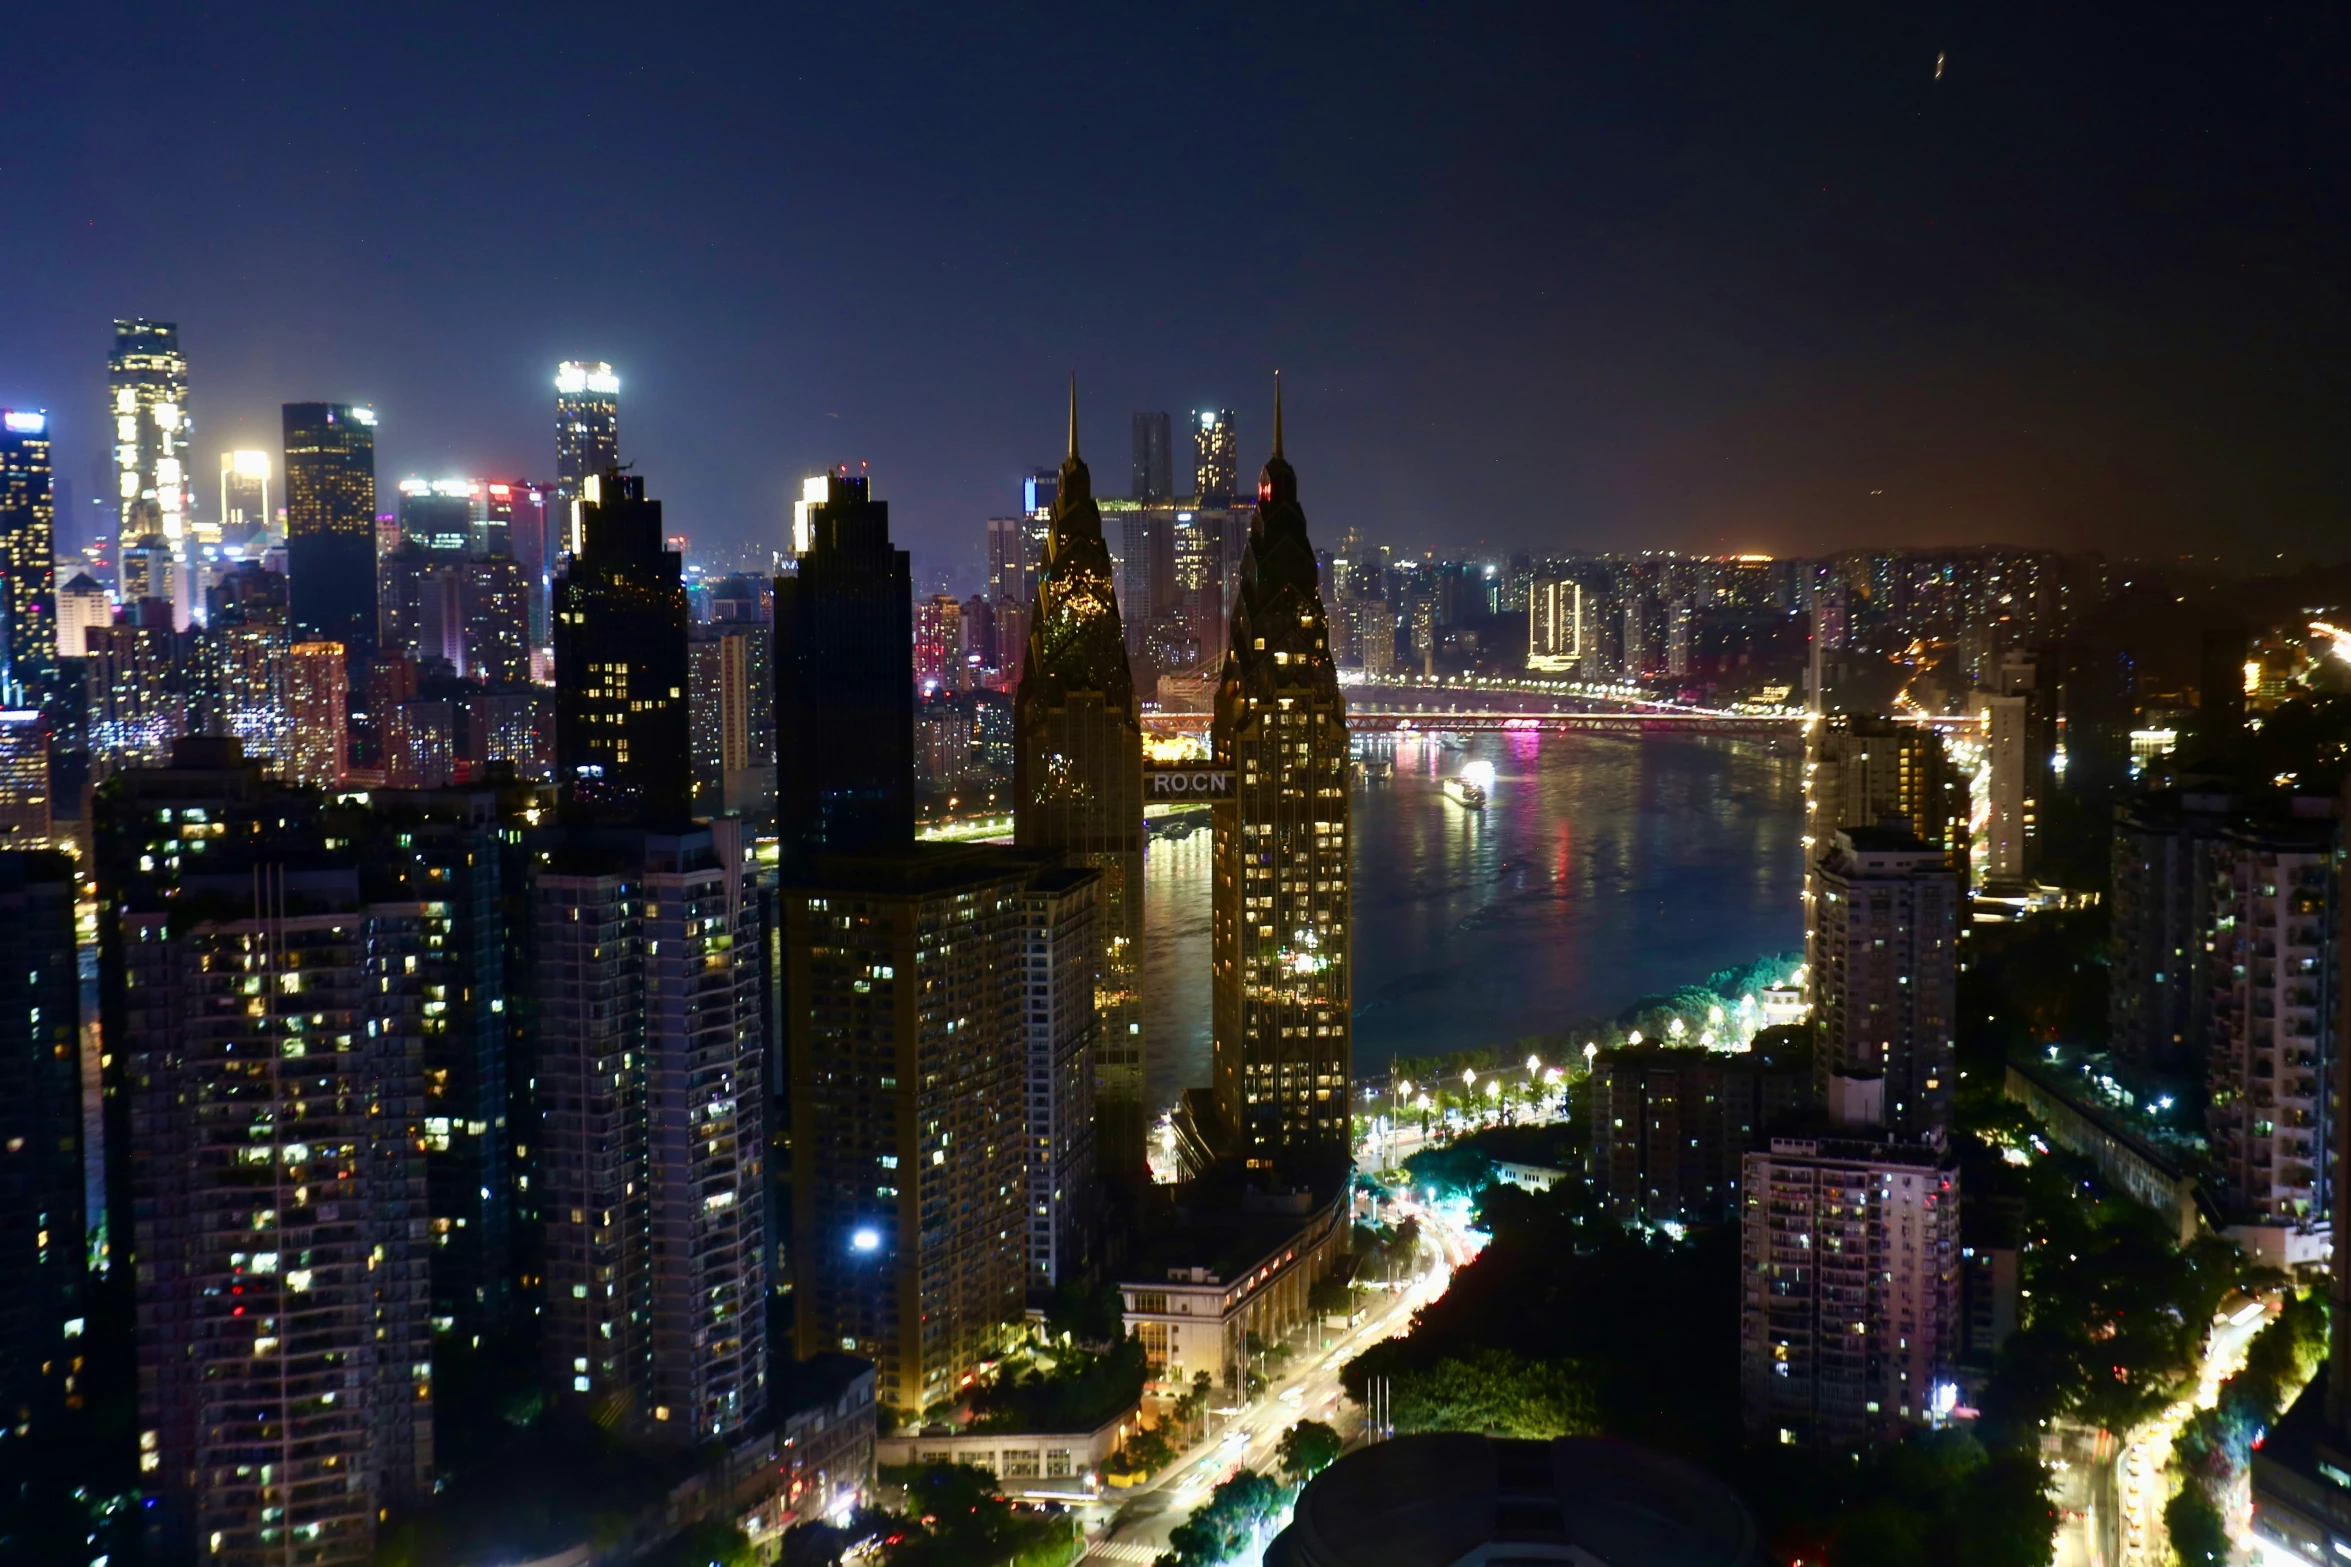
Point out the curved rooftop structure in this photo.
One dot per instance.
(1476, 1501)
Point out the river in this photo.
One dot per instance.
(1603, 868)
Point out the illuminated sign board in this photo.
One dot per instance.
(25, 423)
(1180, 782)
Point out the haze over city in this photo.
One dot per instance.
(1717, 280)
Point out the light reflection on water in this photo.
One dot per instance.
(1603, 868)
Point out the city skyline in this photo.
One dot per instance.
(1933, 256)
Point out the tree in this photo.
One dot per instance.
(1496, 1392)
(1233, 1521)
(1308, 1448)
(2198, 1537)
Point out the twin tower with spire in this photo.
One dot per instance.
(1281, 955)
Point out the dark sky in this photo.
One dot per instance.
(1588, 275)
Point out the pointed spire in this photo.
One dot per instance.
(1073, 416)
(1277, 414)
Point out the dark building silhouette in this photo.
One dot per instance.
(331, 526)
(1078, 782)
(844, 654)
(1154, 478)
(42, 1213)
(623, 743)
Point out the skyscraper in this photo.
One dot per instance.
(1886, 986)
(276, 1071)
(1862, 771)
(244, 497)
(1283, 975)
(909, 1066)
(938, 644)
(1078, 783)
(1154, 472)
(28, 558)
(587, 431)
(147, 391)
(1555, 624)
(330, 469)
(1062, 909)
(318, 718)
(649, 1072)
(1216, 461)
(624, 751)
(844, 640)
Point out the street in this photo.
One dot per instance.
(1309, 1390)
(2111, 1501)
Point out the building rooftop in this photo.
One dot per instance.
(1439, 1500)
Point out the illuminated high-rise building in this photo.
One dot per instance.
(244, 499)
(1078, 784)
(1866, 771)
(1885, 983)
(1555, 624)
(587, 430)
(318, 717)
(28, 557)
(27, 801)
(1281, 927)
(242, 664)
(132, 677)
(438, 513)
(82, 606)
(330, 474)
(650, 1073)
(908, 1016)
(624, 750)
(275, 1079)
(147, 396)
(844, 661)
(938, 644)
(1216, 459)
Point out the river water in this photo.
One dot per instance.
(1603, 868)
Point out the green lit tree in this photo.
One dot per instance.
(1308, 1448)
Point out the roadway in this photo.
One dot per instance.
(2111, 1498)
(1309, 1389)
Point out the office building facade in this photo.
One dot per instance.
(1216, 458)
(147, 410)
(1555, 625)
(587, 434)
(330, 525)
(28, 557)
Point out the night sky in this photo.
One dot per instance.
(1567, 275)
